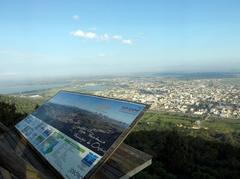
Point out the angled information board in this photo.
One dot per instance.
(76, 133)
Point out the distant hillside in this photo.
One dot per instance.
(200, 75)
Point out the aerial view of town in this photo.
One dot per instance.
(196, 97)
(206, 97)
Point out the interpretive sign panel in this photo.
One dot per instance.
(76, 132)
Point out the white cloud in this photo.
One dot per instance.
(100, 37)
(82, 34)
(90, 35)
(76, 17)
(104, 37)
(117, 37)
(127, 42)
(124, 41)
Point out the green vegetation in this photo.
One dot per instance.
(176, 155)
(184, 147)
(165, 121)
(181, 146)
(9, 115)
(13, 109)
(22, 104)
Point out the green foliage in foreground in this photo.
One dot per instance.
(22, 104)
(180, 151)
(176, 155)
(8, 114)
(14, 109)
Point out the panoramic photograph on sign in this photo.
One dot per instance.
(77, 132)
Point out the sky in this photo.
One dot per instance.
(40, 39)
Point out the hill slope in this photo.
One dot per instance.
(179, 151)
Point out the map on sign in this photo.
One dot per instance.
(76, 132)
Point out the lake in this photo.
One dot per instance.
(25, 88)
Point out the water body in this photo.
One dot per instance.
(25, 88)
(36, 87)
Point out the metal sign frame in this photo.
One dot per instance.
(112, 148)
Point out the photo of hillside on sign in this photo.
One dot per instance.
(76, 132)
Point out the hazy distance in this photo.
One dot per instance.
(41, 39)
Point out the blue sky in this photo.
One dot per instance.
(61, 38)
(110, 108)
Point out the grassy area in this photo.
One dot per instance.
(224, 126)
(227, 131)
(165, 120)
(161, 121)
